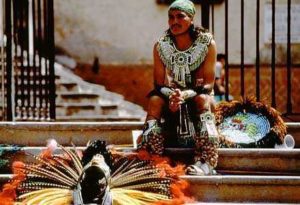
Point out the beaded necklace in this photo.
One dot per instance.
(182, 63)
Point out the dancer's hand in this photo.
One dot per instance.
(175, 100)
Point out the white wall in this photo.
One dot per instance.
(124, 31)
(119, 31)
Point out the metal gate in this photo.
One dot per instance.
(223, 12)
(27, 60)
(270, 9)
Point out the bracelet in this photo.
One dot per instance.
(164, 90)
(187, 94)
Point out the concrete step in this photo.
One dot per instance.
(85, 109)
(36, 133)
(232, 188)
(98, 118)
(248, 161)
(109, 109)
(231, 161)
(256, 189)
(76, 97)
(78, 109)
(64, 86)
(10, 130)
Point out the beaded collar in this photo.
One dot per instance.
(182, 63)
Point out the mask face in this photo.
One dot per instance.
(94, 180)
(179, 22)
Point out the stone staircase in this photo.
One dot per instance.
(78, 100)
(243, 175)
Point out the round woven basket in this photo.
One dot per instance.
(249, 124)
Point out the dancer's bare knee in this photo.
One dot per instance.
(155, 107)
(204, 103)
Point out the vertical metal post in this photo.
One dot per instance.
(289, 107)
(242, 51)
(205, 14)
(22, 68)
(8, 59)
(2, 62)
(27, 66)
(35, 86)
(213, 19)
(273, 56)
(257, 51)
(45, 55)
(39, 68)
(226, 53)
(51, 59)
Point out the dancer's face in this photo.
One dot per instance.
(179, 22)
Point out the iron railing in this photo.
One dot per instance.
(258, 64)
(28, 69)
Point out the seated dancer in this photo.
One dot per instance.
(179, 106)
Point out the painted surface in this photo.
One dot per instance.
(124, 31)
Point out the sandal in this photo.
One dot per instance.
(199, 169)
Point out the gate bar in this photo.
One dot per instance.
(273, 56)
(242, 51)
(289, 106)
(8, 59)
(257, 51)
(51, 59)
(226, 53)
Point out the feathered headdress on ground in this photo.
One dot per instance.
(97, 177)
(249, 123)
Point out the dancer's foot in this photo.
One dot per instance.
(200, 169)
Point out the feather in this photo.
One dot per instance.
(134, 180)
(126, 196)
(45, 196)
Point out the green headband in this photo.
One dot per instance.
(183, 5)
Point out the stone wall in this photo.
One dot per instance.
(135, 81)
